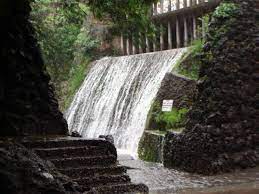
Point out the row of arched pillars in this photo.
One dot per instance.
(177, 32)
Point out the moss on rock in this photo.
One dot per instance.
(151, 146)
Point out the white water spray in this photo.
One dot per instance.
(117, 94)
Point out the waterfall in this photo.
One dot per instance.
(117, 94)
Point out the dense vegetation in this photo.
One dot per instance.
(67, 42)
(172, 120)
(191, 62)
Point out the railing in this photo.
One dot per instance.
(165, 6)
(178, 29)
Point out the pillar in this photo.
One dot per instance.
(161, 6)
(140, 44)
(185, 31)
(122, 45)
(194, 2)
(134, 49)
(178, 38)
(155, 9)
(154, 44)
(147, 45)
(169, 5)
(137, 45)
(170, 40)
(161, 38)
(203, 28)
(177, 4)
(184, 3)
(194, 26)
(128, 46)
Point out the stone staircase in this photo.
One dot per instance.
(91, 163)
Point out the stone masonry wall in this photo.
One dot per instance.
(151, 147)
(222, 132)
(175, 87)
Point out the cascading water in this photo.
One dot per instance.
(117, 94)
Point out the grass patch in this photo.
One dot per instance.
(171, 120)
(189, 64)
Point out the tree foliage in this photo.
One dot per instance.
(57, 26)
(67, 43)
(130, 17)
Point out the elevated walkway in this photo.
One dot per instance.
(178, 23)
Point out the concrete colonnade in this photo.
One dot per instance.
(174, 32)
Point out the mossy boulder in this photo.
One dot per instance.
(151, 146)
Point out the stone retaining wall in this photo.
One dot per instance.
(151, 146)
(175, 87)
(222, 132)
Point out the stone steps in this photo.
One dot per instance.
(53, 153)
(91, 163)
(84, 161)
(121, 188)
(64, 143)
(103, 180)
(93, 171)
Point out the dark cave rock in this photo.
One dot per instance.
(27, 101)
(23, 172)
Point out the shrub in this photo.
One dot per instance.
(226, 10)
(171, 120)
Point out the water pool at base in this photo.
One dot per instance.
(161, 180)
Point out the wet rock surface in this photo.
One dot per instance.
(222, 131)
(151, 146)
(63, 165)
(23, 172)
(27, 101)
(90, 163)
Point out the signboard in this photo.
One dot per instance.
(167, 105)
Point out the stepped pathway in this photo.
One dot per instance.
(91, 163)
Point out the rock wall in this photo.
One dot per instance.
(23, 172)
(222, 132)
(178, 88)
(27, 102)
(182, 90)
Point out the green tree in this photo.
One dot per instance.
(67, 44)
